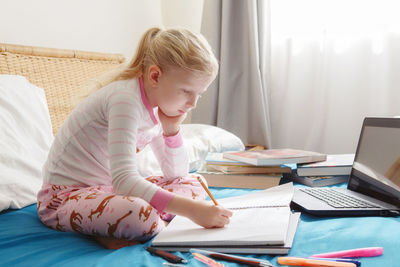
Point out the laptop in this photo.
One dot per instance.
(374, 183)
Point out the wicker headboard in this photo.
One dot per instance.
(61, 73)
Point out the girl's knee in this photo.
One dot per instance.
(143, 222)
(189, 186)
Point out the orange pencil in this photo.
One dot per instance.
(208, 191)
(310, 262)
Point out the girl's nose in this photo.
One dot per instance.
(192, 102)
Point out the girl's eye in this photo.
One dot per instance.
(186, 91)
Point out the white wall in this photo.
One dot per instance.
(112, 26)
(182, 13)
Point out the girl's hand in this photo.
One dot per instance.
(209, 215)
(201, 212)
(169, 124)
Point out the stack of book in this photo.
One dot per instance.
(222, 172)
(334, 170)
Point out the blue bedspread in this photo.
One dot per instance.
(25, 241)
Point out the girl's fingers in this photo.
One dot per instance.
(226, 220)
(228, 213)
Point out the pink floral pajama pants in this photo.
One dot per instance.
(98, 211)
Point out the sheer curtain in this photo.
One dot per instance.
(324, 66)
(333, 63)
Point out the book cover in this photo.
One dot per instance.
(318, 181)
(252, 181)
(250, 211)
(275, 156)
(216, 158)
(336, 164)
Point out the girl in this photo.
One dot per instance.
(91, 182)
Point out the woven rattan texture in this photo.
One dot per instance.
(63, 74)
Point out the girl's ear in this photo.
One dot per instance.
(154, 74)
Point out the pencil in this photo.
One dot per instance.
(206, 189)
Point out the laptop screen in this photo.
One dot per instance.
(376, 168)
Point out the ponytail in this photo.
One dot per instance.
(164, 48)
(136, 67)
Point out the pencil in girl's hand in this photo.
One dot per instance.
(206, 189)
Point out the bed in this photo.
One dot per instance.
(25, 241)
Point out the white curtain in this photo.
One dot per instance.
(238, 99)
(333, 63)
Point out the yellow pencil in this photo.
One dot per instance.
(208, 191)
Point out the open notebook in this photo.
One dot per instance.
(261, 223)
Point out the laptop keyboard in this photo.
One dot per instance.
(337, 199)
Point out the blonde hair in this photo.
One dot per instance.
(166, 48)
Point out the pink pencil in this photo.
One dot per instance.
(358, 252)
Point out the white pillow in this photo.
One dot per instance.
(199, 139)
(25, 139)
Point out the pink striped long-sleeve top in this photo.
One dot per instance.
(98, 142)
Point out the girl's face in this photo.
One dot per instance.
(178, 91)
